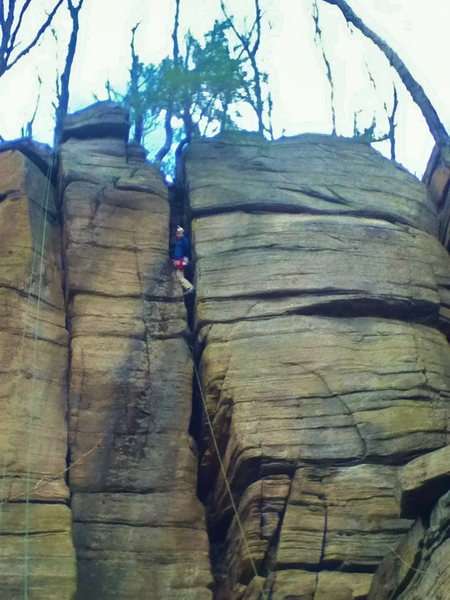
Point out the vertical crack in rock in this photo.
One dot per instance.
(269, 561)
(322, 550)
(144, 323)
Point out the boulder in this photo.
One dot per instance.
(304, 585)
(422, 481)
(262, 265)
(40, 155)
(103, 119)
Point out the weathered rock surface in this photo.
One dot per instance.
(104, 119)
(36, 552)
(322, 298)
(310, 173)
(251, 266)
(138, 525)
(422, 481)
(437, 179)
(419, 567)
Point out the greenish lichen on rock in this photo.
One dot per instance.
(37, 558)
(138, 525)
(322, 303)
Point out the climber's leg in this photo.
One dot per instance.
(185, 284)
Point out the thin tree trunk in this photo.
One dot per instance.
(165, 148)
(9, 32)
(258, 91)
(63, 96)
(319, 42)
(134, 90)
(437, 129)
(391, 121)
(176, 48)
(257, 103)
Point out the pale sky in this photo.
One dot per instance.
(418, 31)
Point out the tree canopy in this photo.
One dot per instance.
(214, 81)
(197, 87)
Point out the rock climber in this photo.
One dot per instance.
(180, 258)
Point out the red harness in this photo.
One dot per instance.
(179, 263)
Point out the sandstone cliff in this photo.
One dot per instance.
(100, 376)
(322, 298)
(138, 525)
(319, 328)
(36, 553)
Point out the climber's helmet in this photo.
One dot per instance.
(179, 233)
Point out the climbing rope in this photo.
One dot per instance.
(32, 402)
(265, 594)
(32, 396)
(15, 383)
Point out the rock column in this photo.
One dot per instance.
(322, 296)
(37, 559)
(139, 529)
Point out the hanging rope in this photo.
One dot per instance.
(32, 396)
(14, 387)
(265, 594)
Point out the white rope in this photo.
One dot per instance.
(16, 379)
(32, 399)
(265, 593)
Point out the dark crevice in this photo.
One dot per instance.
(270, 561)
(263, 207)
(208, 472)
(422, 314)
(421, 501)
(145, 295)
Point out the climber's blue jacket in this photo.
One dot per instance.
(182, 248)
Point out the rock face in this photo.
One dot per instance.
(139, 528)
(419, 566)
(104, 119)
(322, 309)
(322, 298)
(437, 179)
(37, 558)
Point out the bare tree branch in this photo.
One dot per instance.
(134, 88)
(176, 48)
(9, 35)
(63, 94)
(29, 126)
(251, 51)
(390, 117)
(417, 93)
(391, 121)
(319, 42)
(165, 148)
(258, 15)
(19, 23)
